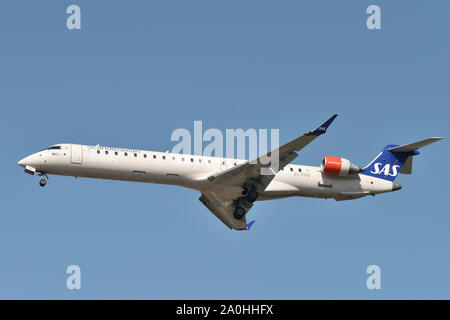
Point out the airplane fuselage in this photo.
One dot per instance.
(192, 171)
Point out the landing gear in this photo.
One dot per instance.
(43, 180)
(251, 196)
(239, 213)
(243, 204)
(250, 193)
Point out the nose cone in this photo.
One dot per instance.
(396, 186)
(22, 162)
(28, 161)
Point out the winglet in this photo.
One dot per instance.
(323, 127)
(249, 225)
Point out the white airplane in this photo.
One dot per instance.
(229, 187)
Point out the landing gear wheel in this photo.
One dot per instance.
(239, 213)
(42, 182)
(252, 195)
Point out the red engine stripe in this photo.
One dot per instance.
(332, 165)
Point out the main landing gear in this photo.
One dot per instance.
(239, 213)
(43, 180)
(243, 204)
(251, 195)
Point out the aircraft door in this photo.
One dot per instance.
(76, 154)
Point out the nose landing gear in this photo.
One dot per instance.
(43, 180)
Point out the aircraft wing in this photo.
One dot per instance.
(258, 172)
(222, 209)
(263, 169)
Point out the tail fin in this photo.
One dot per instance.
(394, 159)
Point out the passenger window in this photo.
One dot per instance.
(116, 153)
(192, 159)
(98, 151)
(145, 156)
(182, 159)
(235, 164)
(209, 161)
(173, 158)
(164, 157)
(292, 169)
(154, 156)
(135, 155)
(299, 170)
(126, 154)
(199, 160)
(106, 152)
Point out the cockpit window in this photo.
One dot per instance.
(51, 148)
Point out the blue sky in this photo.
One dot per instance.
(137, 70)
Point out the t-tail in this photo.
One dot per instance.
(395, 159)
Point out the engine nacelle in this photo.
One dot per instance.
(335, 166)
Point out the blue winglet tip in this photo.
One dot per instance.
(324, 126)
(249, 225)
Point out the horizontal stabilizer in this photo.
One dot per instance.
(415, 145)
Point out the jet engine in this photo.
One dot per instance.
(335, 166)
